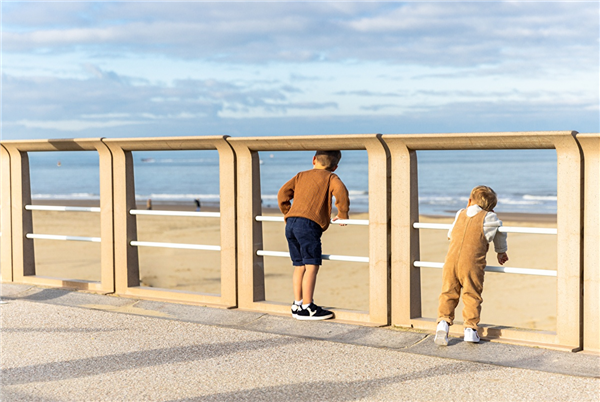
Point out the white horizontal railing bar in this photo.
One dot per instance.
(61, 237)
(61, 208)
(518, 229)
(362, 222)
(329, 257)
(489, 268)
(175, 245)
(175, 213)
(504, 229)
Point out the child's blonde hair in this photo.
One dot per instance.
(329, 159)
(485, 197)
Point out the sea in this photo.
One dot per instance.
(525, 180)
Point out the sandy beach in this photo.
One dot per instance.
(514, 300)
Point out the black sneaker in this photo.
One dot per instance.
(313, 312)
(295, 310)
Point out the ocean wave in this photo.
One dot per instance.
(72, 196)
(177, 197)
(540, 197)
(357, 192)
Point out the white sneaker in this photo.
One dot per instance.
(441, 334)
(471, 335)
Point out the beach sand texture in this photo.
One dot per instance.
(514, 300)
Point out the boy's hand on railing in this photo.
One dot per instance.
(336, 218)
(502, 258)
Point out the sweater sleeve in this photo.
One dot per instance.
(491, 224)
(342, 200)
(285, 195)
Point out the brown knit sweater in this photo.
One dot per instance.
(312, 191)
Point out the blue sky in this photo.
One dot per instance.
(119, 69)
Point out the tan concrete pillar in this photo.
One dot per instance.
(23, 258)
(406, 279)
(6, 272)
(590, 144)
(126, 260)
(569, 260)
(251, 276)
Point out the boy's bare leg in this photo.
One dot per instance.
(308, 283)
(297, 281)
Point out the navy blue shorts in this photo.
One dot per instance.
(304, 241)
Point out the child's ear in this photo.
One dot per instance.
(314, 160)
(335, 167)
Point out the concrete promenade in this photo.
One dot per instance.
(60, 345)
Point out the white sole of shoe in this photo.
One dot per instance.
(473, 338)
(441, 338)
(313, 318)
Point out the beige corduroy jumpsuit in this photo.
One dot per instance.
(464, 269)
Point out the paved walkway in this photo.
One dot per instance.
(59, 345)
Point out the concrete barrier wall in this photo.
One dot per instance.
(394, 282)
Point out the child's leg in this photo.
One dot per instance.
(297, 281)
(308, 283)
(449, 296)
(472, 281)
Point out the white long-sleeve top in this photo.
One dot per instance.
(491, 223)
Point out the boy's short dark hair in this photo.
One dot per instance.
(485, 197)
(329, 159)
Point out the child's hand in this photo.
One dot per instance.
(502, 258)
(336, 218)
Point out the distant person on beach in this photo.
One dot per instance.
(197, 202)
(472, 231)
(306, 220)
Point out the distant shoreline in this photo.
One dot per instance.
(214, 206)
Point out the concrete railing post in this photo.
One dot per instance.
(590, 144)
(6, 264)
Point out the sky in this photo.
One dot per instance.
(145, 69)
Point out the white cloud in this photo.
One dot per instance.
(425, 33)
(73, 125)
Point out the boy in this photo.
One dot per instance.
(306, 220)
(472, 231)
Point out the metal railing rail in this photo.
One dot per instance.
(330, 257)
(61, 208)
(360, 222)
(491, 268)
(154, 212)
(63, 237)
(186, 246)
(504, 229)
